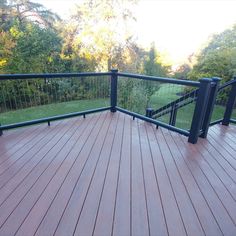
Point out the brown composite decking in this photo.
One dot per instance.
(110, 175)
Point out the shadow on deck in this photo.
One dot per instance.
(110, 175)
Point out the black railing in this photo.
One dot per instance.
(228, 103)
(173, 107)
(53, 89)
(203, 97)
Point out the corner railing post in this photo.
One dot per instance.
(113, 95)
(200, 109)
(210, 107)
(230, 104)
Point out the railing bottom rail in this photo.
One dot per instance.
(156, 122)
(233, 121)
(52, 118)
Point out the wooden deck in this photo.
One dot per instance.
(110, 175)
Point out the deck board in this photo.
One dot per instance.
(110, 175)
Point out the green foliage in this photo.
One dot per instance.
(97, 37)
(36, 50)
(218, 58)
(154, 67)
(182, 71)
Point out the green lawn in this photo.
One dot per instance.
(50, 110)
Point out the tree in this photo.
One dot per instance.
(36, 50)
(218, 58)
(182, 71)
(24, 10)
(102, 32)
(154, 67)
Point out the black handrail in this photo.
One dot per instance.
(161, 79)
(53, 75)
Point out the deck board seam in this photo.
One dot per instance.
(91, 179)
(29, 149)
(143, 177)
(84, 165)
(202, 145)
(162, 157)
(35, 181)
(32, 157)
(55, 172)
(223, 156)
(118, 177)
(185, 187)
(224, 141)
(157, 182)
(34, 136)
(198, 187)
(27, 162)
(104, 180)
(226, 138)
(19, 138)
(66, 174)
(211, 139)
(216, 194)
(225, 130)
(78, 178)
(215, 172)
(131, 182)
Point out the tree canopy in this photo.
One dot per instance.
(218, 58)
(97, 37)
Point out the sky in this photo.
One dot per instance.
(178, 27)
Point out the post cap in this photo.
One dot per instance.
(205, 80)
(149, 109)
(114, 70)
(216, 79)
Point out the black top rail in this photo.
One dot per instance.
(161, 79)
(54, 75)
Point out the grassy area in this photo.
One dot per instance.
(51, 110)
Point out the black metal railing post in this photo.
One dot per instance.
(210, 107)
(149, 112)
(230, 104)
(173, 114)
(200, 109)
(113, 90)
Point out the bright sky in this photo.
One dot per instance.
(178, 27)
